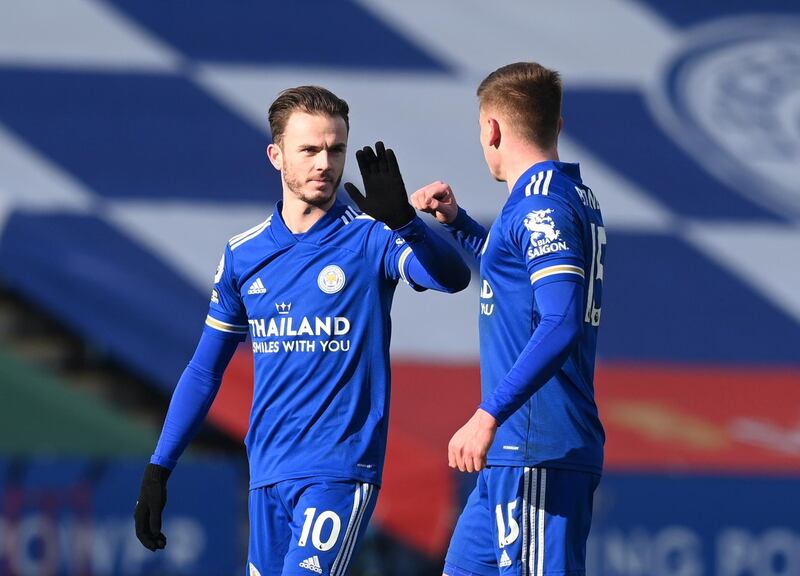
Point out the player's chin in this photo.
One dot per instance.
(498, 176)
(319, 193)
(495, 172)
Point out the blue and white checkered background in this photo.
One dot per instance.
(132, 140)
(142, 125)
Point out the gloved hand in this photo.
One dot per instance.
(385, 198)
(147, 514)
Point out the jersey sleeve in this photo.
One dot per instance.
(226, 314)
(393, 253)
(553, 340)
(548, 236)
(468, 233)
(192, 398)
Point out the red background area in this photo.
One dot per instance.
(657, 418)
(738, 419)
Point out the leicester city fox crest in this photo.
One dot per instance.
(545, 238)
(731, 95)
(331, 279)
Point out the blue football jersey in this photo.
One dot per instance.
(550, 229)
(316, 308)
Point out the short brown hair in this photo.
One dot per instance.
(308, 99)
(529, 96)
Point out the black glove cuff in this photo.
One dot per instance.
(154, 472)
(402, 217)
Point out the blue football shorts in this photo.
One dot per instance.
(307, 526)
(524, 521)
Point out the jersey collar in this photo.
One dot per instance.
(571, 170)
(330, 221)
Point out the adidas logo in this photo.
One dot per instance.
(257, 287)
(505, 560)
(311, 564)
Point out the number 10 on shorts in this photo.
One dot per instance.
(315, 527)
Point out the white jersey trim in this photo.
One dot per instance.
(247, 235)
(540, 520)
(225, 327)
(402, 263)
(363, 495)
(558, 269)
(535, 187)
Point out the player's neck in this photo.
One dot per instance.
(300, 216)
(516, 164)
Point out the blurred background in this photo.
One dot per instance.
(132, 137)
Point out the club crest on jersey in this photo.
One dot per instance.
(544, 235)
(331, 280)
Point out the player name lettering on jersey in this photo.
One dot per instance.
(587, 197)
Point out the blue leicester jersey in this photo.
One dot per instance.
(316, 308)
(549, 230)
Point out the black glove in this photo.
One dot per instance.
(386, 199)
(147, 514)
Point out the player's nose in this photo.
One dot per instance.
(323, 161)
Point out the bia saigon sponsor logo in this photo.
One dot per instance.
(545, 238)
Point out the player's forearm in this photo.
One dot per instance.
(468, 233)
(551, 343)
(434, 263)
(196, 390)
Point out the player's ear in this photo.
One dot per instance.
(494, 133)
(275, 155)
(560, 124)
